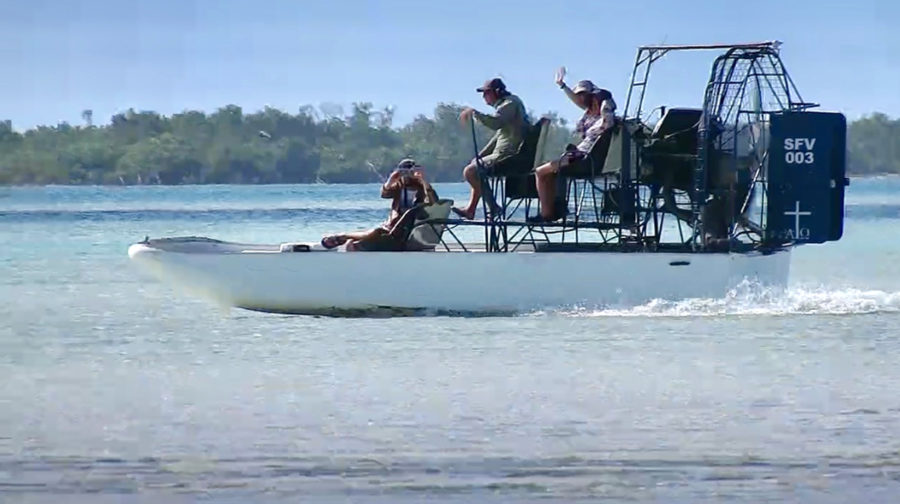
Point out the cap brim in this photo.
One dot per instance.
(481, 90)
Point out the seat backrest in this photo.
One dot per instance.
(542, 129)
(679, 126)
(530, 140)
(521, 183)
(423, 233)
(593, 166)
(613, 162)
(601, 147)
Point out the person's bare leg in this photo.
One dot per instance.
(362, 235)
(545, 179)
(471, 176)
(342, 238)
(368, 240)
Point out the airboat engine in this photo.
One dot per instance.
(753, 167)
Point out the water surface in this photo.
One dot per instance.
(114, 388)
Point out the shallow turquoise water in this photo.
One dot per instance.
(113, 388)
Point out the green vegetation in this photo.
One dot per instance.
(309, 146)
(226, 147)
(873, 145)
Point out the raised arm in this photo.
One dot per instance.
(560, 81)
(571, 96)
(389, 189)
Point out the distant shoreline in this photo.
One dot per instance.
(11, 186)
(275, 147)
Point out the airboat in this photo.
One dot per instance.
(671, 204)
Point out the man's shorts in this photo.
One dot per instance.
(494, 165)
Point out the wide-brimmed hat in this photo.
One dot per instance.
(585, 86)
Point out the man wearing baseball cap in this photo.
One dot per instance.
(509, 122)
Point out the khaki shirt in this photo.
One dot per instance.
(509, 122)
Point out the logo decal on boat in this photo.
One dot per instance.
(798, 233)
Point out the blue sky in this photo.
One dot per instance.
(60, 57)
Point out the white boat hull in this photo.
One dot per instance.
(261, 278)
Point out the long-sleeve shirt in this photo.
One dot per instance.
(508, 122)
(591, 126)
(572, 96)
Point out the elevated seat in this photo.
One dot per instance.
(587, 171)
(592, 165)
(512, 178)
(519, 175)
(670, 155)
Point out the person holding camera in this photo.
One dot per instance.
(599, 115)
(406, 187)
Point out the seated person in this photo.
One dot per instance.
(509, 122)
(598, 117)
(407, 188)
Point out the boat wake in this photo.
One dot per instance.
(750, 299)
